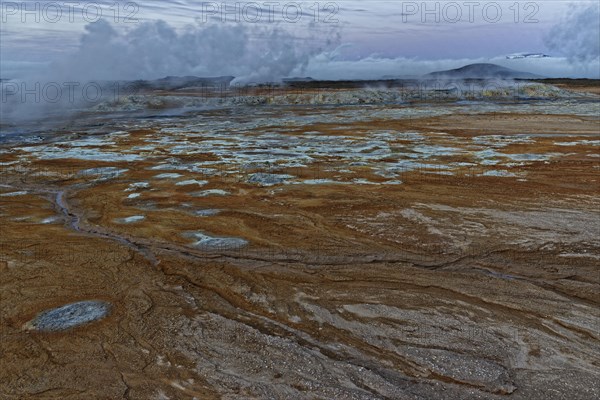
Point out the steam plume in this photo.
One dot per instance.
(155, 49)
(577, 36)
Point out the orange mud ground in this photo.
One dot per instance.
(474, 281)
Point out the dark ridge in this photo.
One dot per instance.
(569, 81)
(482, 71)
(179, 82)
(298, 79)
(350, 84)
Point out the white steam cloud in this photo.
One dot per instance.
(152, 50)
(156, 49)
(577, 36)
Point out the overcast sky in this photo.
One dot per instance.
(345, 39)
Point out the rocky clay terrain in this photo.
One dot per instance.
(307, 249)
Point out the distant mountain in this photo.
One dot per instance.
(482, 71)
(181, 82)
(399, 77)
(298, 79)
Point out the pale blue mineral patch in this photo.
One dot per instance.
(69, 316)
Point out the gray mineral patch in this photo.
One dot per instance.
(211, 192)
(206, 213)
(103, 172)
(502, 173)
(69, 316)
(210, 243)
(130, 220)
(268, 179)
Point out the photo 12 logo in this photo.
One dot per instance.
(269, 12)
(68, 11)
(63, 92)
(469, 11)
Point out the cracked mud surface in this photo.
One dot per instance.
(381, 252)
